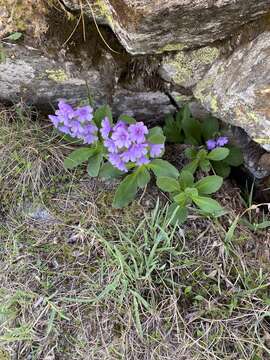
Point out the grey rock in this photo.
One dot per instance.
(29, 75)
(154, 26)
(236, 89)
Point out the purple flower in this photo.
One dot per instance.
(121, 138)
(137, 151)
(211, 144)
(222, 140)
(120, 125)
(137, 132)
(105, 128)
(142, 161)
(110, 145)
(84, 113)
(76, 123)
(156, 149)
(116, 161)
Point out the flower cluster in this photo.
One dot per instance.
(75, 122)
(215, 143)
(128, 143)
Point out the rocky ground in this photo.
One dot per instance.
(80, 280)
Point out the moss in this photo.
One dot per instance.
(186, 64)
(57, 75)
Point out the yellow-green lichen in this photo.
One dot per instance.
(188, 64)
(58, 75)
(104, 12)
(171, 47)
(214, 104)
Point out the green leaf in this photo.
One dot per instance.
(209, 184)
(210, 128)
(218, 154)
(190, 153)
(127, 119)
(208, 205)
(191, 192)
(168, 184)
(235, 157)
(181, 199)
(192, 166)
(178, 215)
(191, 127)
(205, 165)
(156, 135)
(94, 164)
(126, 191)
(143, 177)
(173, 129)
(77, 157)
(186, 179)
(221, 168)
(108, 171)
(14, 36)
(163, 168)
(101, 113)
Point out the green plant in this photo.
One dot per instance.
(185, 192)
(184, 128)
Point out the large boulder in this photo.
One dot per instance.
(236, 89)
(29, 75)
(154, 26)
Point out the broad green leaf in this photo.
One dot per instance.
(126, 191)
(143, 177)
(191, 192)
(209, 184)
(156, 135)
(192, 166)
(221, 168)
(14, 36)
(186, 179)
(101, 113)
(210, 128)
(205, 165)
(208, 205)
(163, 168)
(218, 154)
(78, 156)
(94, 164)
(181, 199)
(168, 184)
(178, 215)
(108, 171)
(127, 119)
(235, 157)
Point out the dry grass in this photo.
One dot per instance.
(80, 280)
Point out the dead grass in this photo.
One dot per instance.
(62, 248)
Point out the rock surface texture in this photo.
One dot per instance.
(153, 26)
(237, 89)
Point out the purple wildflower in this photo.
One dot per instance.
(137, 132)
(222, 140)
(121, 138)
(105, 128)
(156, 150)
(127, 143)
(110, 145)
(116, 161)
(143, 160)
(211, 144)
(84, 113)
(75, 122)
